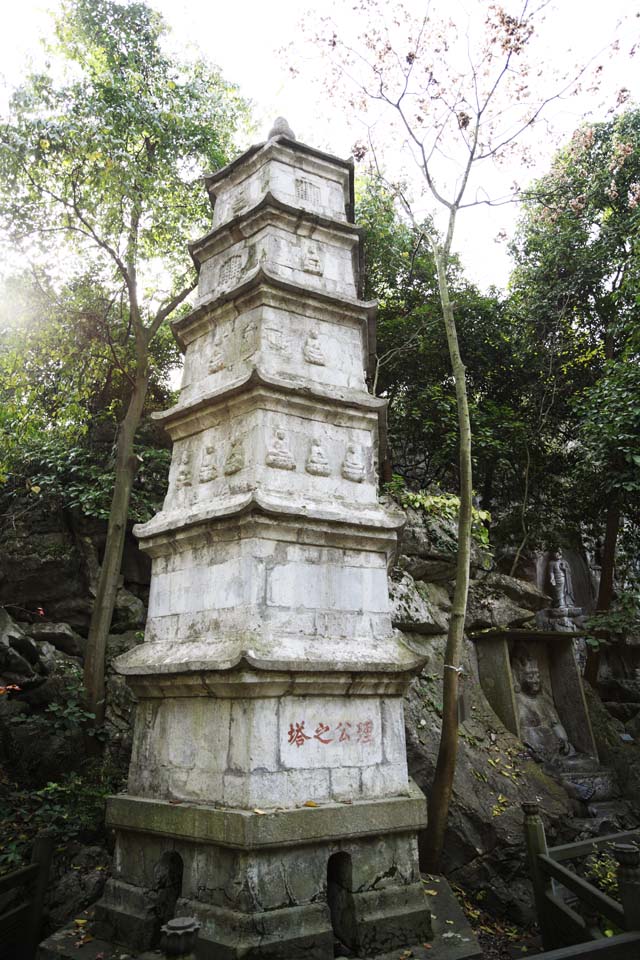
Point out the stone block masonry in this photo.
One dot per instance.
(268, 791)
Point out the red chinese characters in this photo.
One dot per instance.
(344, 732)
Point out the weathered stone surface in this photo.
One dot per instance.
(129, 611)
(79, 879)
(524, 594)
(412, 607)
(60, 635)
(488, 606)
(16, 655)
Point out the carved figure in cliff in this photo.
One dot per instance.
(540, 726)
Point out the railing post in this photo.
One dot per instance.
(628, 857)
(536, 843)
(179, 938)
(41, 854)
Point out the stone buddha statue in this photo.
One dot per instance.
(540, 727)
(560, 580)
(208, 469)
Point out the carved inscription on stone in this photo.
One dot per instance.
(235, 460)
(279, 453)
(307, 192)
(230, 270)
(312, 351)
(208, 469)
(184, 471)
(317, 463)
(353, 464)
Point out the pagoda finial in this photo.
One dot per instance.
(281, 128)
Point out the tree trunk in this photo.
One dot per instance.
(126, 467)
(441, 789)
(605, 589)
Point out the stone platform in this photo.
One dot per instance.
(453, 938)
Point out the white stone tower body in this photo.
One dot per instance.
(268, 791)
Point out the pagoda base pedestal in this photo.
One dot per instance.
(280, 885)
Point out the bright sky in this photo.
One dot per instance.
(244, 37)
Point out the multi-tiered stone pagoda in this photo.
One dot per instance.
(268, 791)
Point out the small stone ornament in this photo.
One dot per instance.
(208, 468)
(281, 128)
(353, 466)
(179, 937)
(235, 461)
(184, 471)
(279, 454)
(317, 463)
(312, 351)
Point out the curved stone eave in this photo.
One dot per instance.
(210, 179)
(375, 518)
(232, 230)
(366, 309)
(255, 377)
(161, 659)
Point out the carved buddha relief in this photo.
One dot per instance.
(312, 351)
(353, 464)
(317, 463)
(183, 478)
(279, 453)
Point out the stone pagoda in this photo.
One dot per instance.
(268, 793)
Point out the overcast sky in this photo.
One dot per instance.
(244, 37)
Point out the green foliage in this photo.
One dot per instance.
(80, 477)
(440, 506)
(113, 137)
(601, 869)
(413, 370)
(574, 302)
(619, 623)
(71, 808)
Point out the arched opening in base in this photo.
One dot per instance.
(340, 901)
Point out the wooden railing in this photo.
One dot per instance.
(568, 932)
(21, 920)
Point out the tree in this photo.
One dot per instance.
(458, 104)
(577, 271)
(102, 162)
(65, 358)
